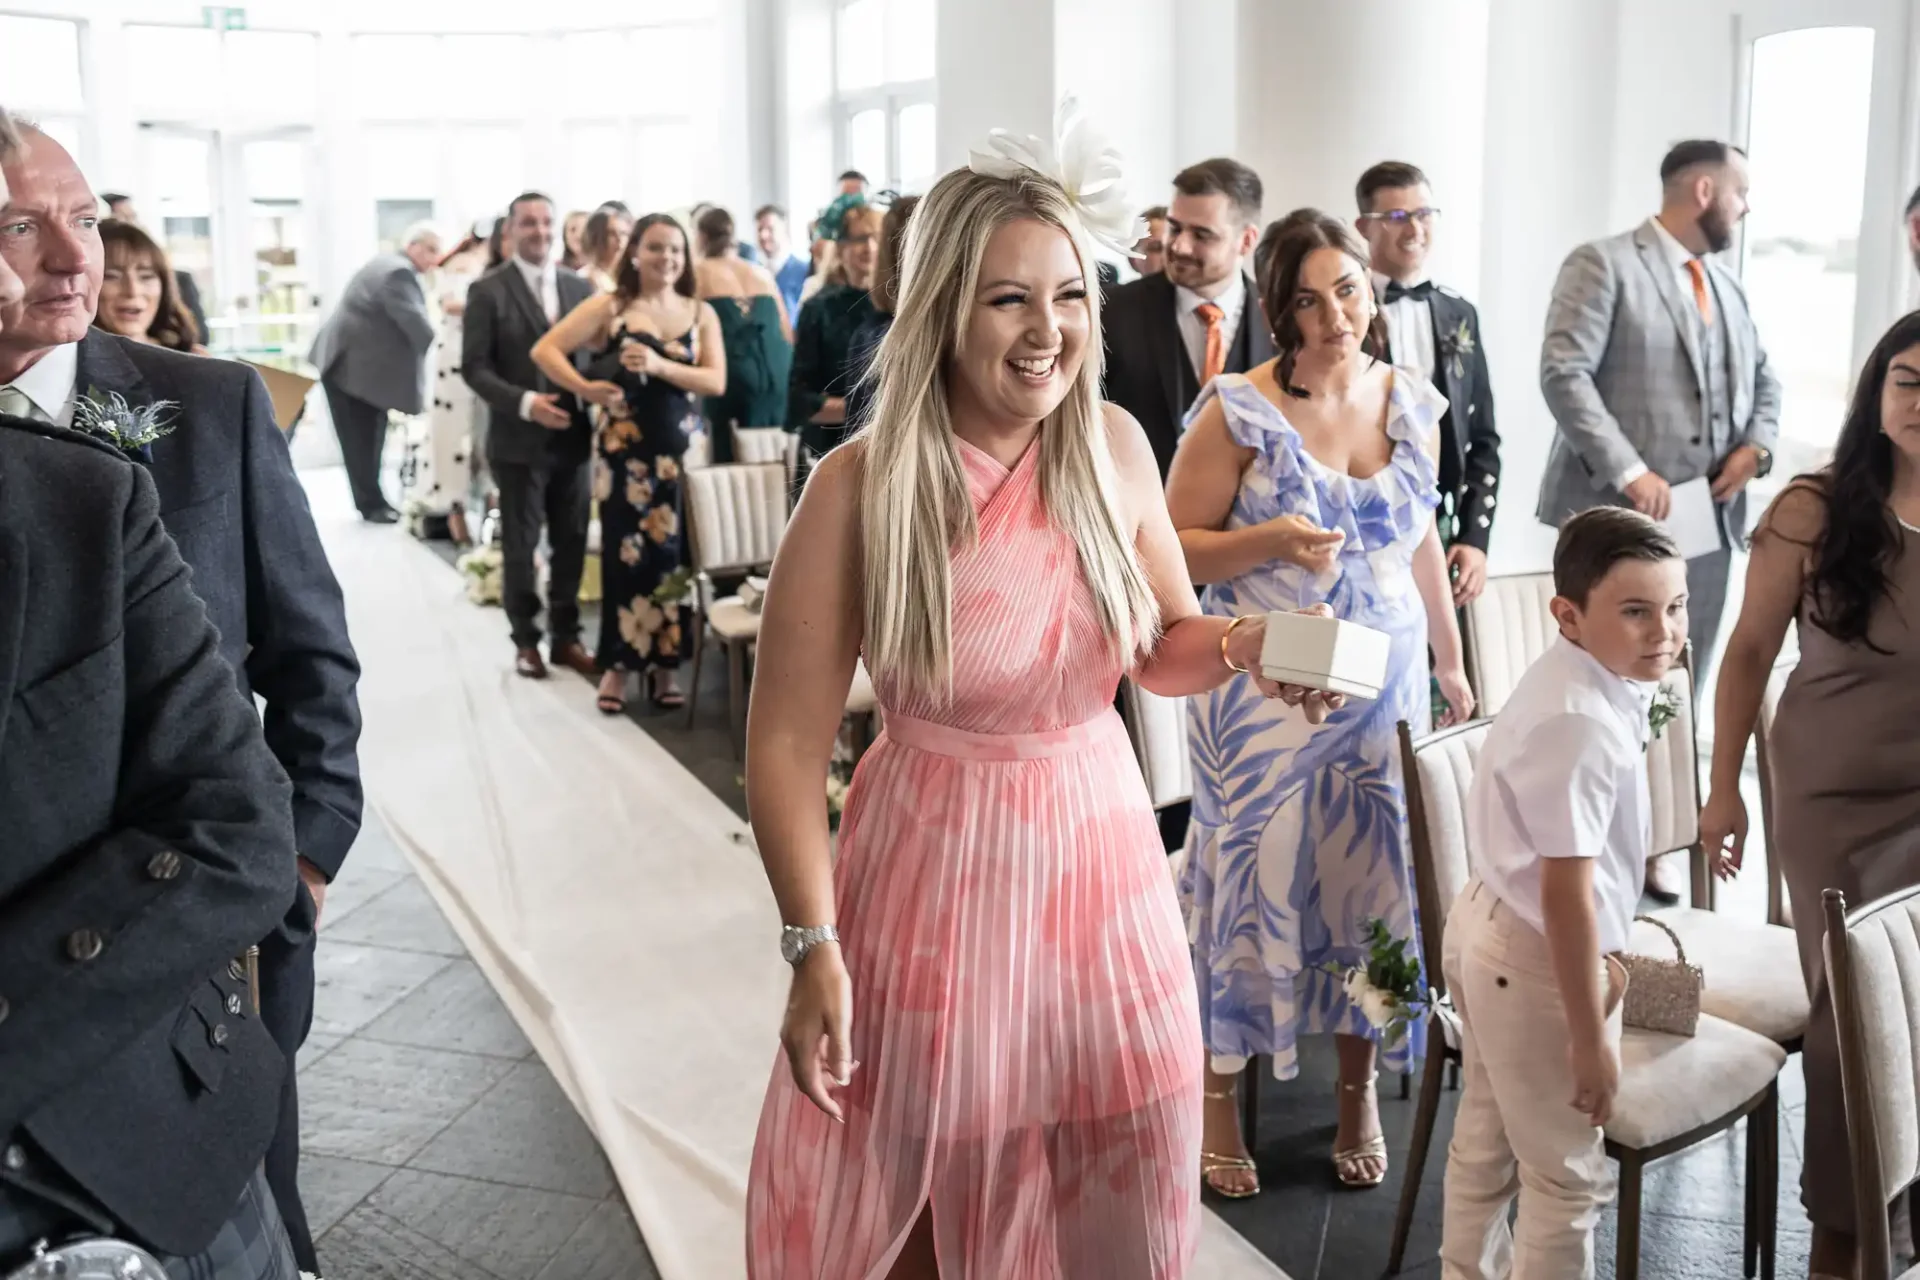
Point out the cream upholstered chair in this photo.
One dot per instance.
(1752, 968)
(1675, 1091)
(1873, 972)
(1507, 627)
(760, 444)
(736, 514)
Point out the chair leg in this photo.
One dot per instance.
(1250, 1101)
(1626, 1262)
(736, 697)
(1755, 1187)
(1770, 1182)
(1453, 1077)
(1423, 1121)
(693, 687)
(1406, 1086)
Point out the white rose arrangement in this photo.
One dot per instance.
(1387, 989)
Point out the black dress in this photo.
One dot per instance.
(644, 621)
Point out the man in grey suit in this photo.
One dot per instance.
(372, 357)
(1655, 374)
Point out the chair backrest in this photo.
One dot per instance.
(736, 513)
(1439, 774)
(761, 444)
(1873, 971)
(1507, 627)
(1158, 727)
(1779, 909)
(1673, 772)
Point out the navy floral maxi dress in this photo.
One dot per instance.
(644, 621)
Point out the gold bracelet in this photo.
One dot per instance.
(1228, 635)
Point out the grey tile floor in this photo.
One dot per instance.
(436, 1145)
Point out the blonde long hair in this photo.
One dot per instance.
(914, 504)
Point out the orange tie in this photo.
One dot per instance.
(1216, 362)
(1701, 299)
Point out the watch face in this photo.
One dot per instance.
(790, 947)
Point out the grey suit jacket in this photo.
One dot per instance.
(375, 346)
(1623, 373)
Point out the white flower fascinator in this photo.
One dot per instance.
(1080, 160)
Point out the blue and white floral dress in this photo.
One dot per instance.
(1299, 834)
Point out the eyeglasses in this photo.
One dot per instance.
(1401, 217)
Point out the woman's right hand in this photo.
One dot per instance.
(607, 395)
(1724, 818)
(817, 1033)
(1300, 541)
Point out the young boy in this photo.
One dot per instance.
(1557, 822)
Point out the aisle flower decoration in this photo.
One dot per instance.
(485, 571)
(1082, 162)
(1387, 988)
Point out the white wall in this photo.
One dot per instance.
(1118, 58)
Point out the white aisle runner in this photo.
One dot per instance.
(616, 903)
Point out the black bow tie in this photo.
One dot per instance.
(1397, 291)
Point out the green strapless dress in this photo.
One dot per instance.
(759, 360)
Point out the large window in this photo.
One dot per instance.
(43, 78)
(647, 135)
(883, 82)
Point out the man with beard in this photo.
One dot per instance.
(1655, 375)
(1169, 335)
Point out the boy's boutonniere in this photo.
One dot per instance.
(1661, 712)
(1387, 988)
(1456, 346)
(125, 426)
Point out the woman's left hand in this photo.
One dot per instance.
(1459, 695)
(638, 357)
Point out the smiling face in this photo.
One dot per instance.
(1332, 304)
(1206, 238)
(660, 257)
(770, 233)
(50, 237)
(859, 246)
(1026, 332)
(1399, 230)
(1635, 619)
(130, 293)
(530, 229)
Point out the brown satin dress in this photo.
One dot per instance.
(1846, 815)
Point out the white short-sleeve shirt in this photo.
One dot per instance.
(1563, 774)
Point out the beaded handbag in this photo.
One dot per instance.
(1662, 995)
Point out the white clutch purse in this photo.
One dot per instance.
(1328, 654)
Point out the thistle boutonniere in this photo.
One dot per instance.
(1661, 712)
(125, 426)
(1456, 346)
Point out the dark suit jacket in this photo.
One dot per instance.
(147, 846)
(230, 498)
(1148, 371)
(374, 346)
(502, 322)
(1469, 453)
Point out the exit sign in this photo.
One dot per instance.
(222, 18)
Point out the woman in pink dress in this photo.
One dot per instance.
(992, 1056)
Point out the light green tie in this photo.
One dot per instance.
(14, 401)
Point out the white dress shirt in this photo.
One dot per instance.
(1678, 256)
(1193, 330)
(544, 282)
(49, 385)
(1563, 774)
(1409, 328)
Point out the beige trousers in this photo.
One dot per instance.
(1516, 1132)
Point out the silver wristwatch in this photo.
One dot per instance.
(796, 943)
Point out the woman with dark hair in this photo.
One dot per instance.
(823, 370)
(1839, 552)
(885, 296)
(496, 244)
(138, 296)
(601, 243)
(657, 351)
(1310, 480)
(754, 330)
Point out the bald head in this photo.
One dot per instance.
(53, 244)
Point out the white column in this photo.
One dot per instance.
(1118, 58)
(1206, 70)
(1329, 87)
(994, 68)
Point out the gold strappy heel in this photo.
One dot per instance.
(1345, 1163)
(1212, 1163)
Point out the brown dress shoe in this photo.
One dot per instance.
(526, 662)
(574, 657)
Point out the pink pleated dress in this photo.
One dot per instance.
(1024, 1009)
